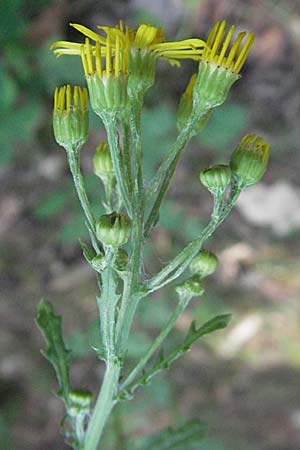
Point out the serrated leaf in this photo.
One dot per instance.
(56, 353)
(217, 323)
(170, 439)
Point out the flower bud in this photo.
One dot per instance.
(98, 263)
(106, 75)
(113, 229)
(192, 287)
(220, 65)
(70, 117)
(186, 107)
(103, 166)
(249, 160)
(216, 178)
(80, 402)
(121, 260)
(204, 264)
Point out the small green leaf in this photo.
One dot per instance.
(191, 433)
(57, 354)
(217, 323)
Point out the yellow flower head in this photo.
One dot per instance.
(218, 51)
(147, 38)
(104, 62)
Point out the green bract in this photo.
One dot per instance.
(107, 93)
(141, 68)
(113, 229)
(204, 264)
(212, 85)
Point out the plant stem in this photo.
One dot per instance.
(156, 343)
(104, 405)
(178, 265)
(74, 164)
(130, 298)
(110, 123)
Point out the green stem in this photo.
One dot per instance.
(131, 299)
(156, 343)
(104, 405)
(107, 303)
(74, 164)
(110, 123)
(126, 153)
(165, 173)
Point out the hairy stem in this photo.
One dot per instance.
(74, 164)
(104, 405)
(110, 123)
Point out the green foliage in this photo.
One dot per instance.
(57, 354)
(226, 124)
(170, 439)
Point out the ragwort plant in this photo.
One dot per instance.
(119, 66)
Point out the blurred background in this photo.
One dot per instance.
(244, 381)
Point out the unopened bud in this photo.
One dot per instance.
(186, 107)
(80, 402)
(249, 160)
(204, 264)
(192, 287)
(113, 229)
(70, 117)
(98, 263)
(216, 178)
(103, 166)
(121, 260)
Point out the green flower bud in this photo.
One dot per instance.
(141, 68)
(204, 264)
(249, 160)
(186, 107)
(113, 229)
(220, 65)
(106, 77)
(80, 402)
(121, 260)
(103, 166)
(192, 287)
(98, 263)
(216, 178)
(70, 121)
